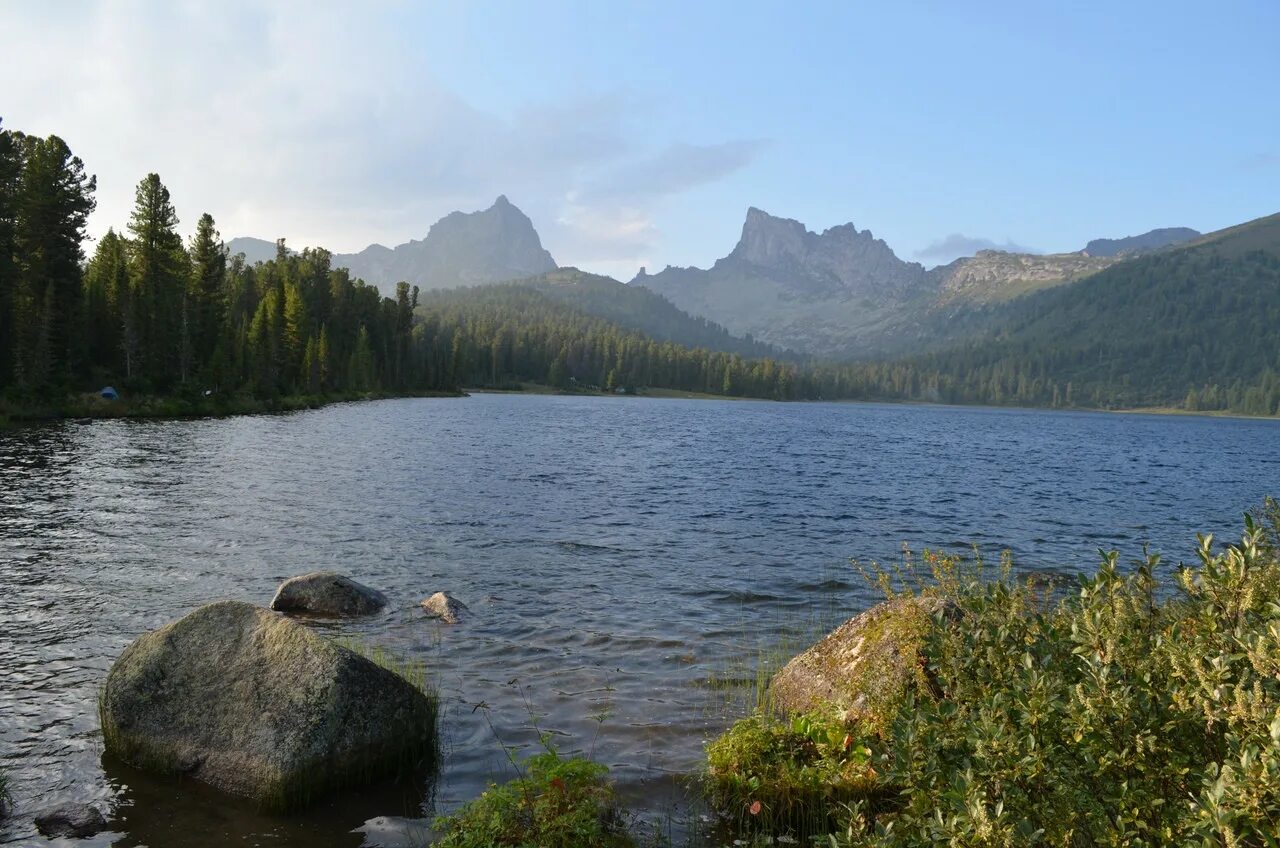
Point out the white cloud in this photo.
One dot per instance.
(957, 245)
(324, 124)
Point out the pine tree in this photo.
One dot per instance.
(54, 200)
(206, 296)
(158, 274)
(10, 171)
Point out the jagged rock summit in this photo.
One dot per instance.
(461, 249)
(788, 286)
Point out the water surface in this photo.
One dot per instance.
(617, 555)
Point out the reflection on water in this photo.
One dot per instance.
(616, 554)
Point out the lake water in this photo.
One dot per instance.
(617, 554)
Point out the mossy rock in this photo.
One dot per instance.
(327, 593)
(259, 706)
(864, 667)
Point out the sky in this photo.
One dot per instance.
(638, 133)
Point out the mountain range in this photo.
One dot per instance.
(840, 293)
(844, 292)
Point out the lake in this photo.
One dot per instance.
(626, 560)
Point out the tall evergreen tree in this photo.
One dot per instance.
(54, 199)
(206, 295)
(158, 278)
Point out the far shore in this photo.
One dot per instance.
(168, 408)
(157, 407)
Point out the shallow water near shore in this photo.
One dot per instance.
(619, 556)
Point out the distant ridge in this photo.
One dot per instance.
(1131, 245)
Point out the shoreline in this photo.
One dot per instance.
(167, 408)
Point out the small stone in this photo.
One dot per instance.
(445, 607)
(327, 593)
(71, 819)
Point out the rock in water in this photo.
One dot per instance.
(74, 820)
(445, 607)
(259, 706)
(865, 665)
(327, 593)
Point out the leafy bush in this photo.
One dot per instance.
(1125, 714)
(557, 803)
(1135, 710)
(771, 775)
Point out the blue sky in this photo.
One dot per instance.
(638, 133)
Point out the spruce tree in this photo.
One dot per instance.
(54, 199)
(206, 296)
(158, 278)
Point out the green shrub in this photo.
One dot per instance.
(775, 775)
(558, 802)
(1129, 713)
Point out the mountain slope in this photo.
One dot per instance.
(1201, 318)
(637, 308)
(254, 249)
(1148, 241)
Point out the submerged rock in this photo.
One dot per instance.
(258, 705)
(73, 820)
(865, 665)
(445, 607)
(327, 593)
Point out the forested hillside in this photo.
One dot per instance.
(638, 308)
(1192, 327)
(513, 332)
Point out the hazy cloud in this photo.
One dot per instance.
(327, 126)
(678, 168)
(1262, 160)
(957, 245)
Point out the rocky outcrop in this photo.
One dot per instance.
(445, 607)
(994, 276)
(327, 593)
(76, 821)
(258, 705)
(865, 666)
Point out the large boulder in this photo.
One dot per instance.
(865, 666)
(71, 820)
(259, 706)
(327, 593)
(445, 607)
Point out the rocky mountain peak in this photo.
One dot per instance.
(840, 258)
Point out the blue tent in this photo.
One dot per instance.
(109, 393)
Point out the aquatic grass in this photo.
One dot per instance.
(6, 795)
(412, 671)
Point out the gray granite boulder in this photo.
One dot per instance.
(71, 820)
(327, 593)
(445, 607)
(258, 705)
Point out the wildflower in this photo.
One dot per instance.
(754, 809)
